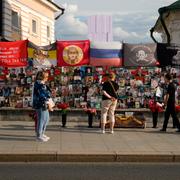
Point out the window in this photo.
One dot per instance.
(34, 26)
(48, 31)
(15, 19)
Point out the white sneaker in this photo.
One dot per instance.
(46, 137)
(42, 139)
(112, 132)
(102, 131)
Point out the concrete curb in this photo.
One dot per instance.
(53, 157)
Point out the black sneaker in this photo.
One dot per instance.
(163, 130)
(178, 131)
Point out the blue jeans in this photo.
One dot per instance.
(43, 119)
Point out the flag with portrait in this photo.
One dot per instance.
(73, 53)
(140, 55)
(42, 57)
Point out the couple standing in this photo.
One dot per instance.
(168, 103)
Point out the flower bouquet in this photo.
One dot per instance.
(64, 108)
(91, 112)
(177, 108)
(155, 106)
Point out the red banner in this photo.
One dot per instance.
(73, 53)
(13, 54)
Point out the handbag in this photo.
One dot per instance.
(155, 106)
(51, 104)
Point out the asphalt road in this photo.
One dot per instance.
(90, 171)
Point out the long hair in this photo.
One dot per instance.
(168, 76)
(39, 75)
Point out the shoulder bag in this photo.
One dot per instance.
(113, 88)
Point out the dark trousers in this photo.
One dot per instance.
(170, 110)
(155, 118)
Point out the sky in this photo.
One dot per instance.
(132, 19)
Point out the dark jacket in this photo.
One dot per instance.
(41, 95)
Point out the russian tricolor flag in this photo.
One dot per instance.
(106, 53)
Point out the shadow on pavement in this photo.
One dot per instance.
(80, 130)
(8, 137)
(17, 127)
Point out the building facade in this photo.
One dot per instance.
(33, 20)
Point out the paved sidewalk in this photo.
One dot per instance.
(79, 143)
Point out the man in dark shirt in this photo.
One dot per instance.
(109, 101)
(170, 104)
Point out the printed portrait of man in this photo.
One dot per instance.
(72, 54)
(40, 58)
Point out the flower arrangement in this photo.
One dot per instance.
(177, 108)
(4, 73)
(63, 107)
(90, 110)
(155, 106)
(139, 71)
